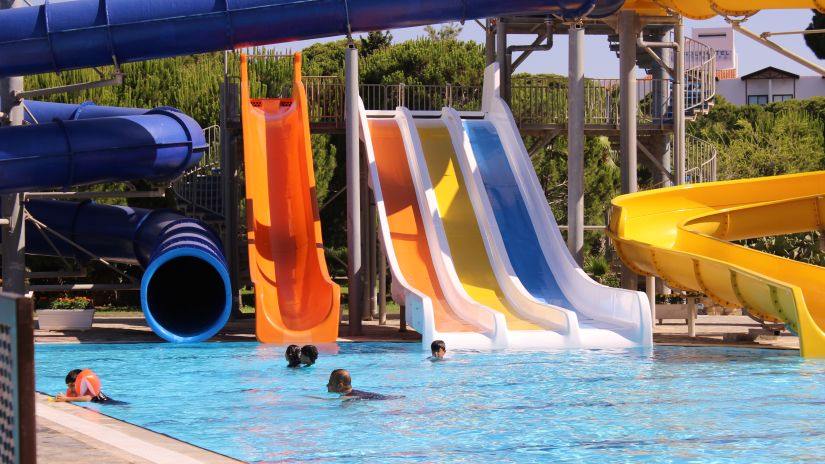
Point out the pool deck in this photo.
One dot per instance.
(71, 434)
(733, 331)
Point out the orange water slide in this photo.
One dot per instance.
(295, 299)
(406, 227)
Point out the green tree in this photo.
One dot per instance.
(375, 41)
(816, 42)
(448, 31)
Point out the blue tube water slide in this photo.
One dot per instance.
(38, 112)
(185, 288)
(157, 145)
(84, 33)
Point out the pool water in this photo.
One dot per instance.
(667, 405)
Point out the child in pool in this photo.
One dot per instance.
(309, 353)
(293, 356)
(86, 391)
(439, 350)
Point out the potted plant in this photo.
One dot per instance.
(68, 313)
(672, 306)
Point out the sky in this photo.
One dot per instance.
(600, 62)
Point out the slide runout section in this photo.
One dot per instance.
(692, 251)
(296, 301)
(427, 304)
(625, 312)
(521, 247)
(549, 315)
(459, 245)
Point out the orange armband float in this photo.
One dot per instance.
(86, 383)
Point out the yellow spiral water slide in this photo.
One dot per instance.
(683, 235)
(704, 9)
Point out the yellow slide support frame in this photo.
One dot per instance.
(683, 234)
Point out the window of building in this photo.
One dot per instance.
(781, 98)
(757, 99)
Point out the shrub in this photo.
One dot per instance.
(76, 302)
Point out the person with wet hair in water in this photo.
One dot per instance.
(309, 353)
(293, 356)
(340, 382)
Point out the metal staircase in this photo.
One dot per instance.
(198, 192)
(700, 74)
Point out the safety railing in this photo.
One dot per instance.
(535, 101)
(700, 76)
(198, 190)
(700, 160)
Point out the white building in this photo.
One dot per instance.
(757, 88)
(770, 85)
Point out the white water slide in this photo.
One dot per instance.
(475, 253)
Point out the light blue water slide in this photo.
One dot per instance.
(520, 239)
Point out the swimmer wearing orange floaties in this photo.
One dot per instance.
(82, 385)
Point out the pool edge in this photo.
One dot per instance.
(112, 433)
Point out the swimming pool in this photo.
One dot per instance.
(669, 405)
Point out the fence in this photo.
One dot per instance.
(17, 422)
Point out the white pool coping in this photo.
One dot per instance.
(137, 441)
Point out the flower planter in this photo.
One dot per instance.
(672, 311)
(64, 319)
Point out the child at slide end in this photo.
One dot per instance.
(83, 385)
(439, 350)
(309, 354)
(293, 356)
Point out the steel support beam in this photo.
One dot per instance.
(490, 43)
(355, 273)
(628, 107)
(503, 59)
(679, 103)
(13, 233)
(230, 191)
(575, 144)
(737, 26)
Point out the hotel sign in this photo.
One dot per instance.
(721, 40)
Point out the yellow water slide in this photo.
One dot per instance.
(704, 9)
(460, 225)
(295, 299)
(683, 235)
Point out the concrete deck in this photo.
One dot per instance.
(71, 434)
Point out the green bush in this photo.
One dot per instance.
(76, 302)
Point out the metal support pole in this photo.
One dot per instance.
(13, 234)
(366, 313)
(230, 198)
(737, 26)
(650, 287)
(679, 103)
(373, 254)
(628, 107)
(382, 283)
(354, 270)
(575, 144)
(490, 43)
(661, 143)
(402, 321)
(503, 59)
